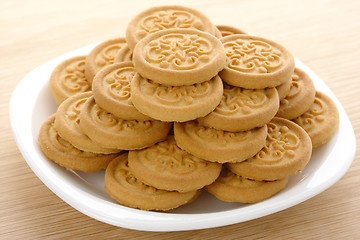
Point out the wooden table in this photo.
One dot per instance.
(324, 34)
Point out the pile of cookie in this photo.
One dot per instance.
(180, 105)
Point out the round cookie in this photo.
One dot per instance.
(175, 103)
(255, 62)
(300, 97)
(179, 57)
(111, 89)
(122, 186)
(65, 154)
(230, 187)
(218, 145)
(102, 55)
(124, 55)
(68, 78)
(243, 109)
(321, 120)
(226, 30)
(284, 89)
(287, 151)
(165, 17)
(67, 123)
(165, 166)
(113, 132)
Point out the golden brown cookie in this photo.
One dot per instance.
(165, 166)
(226, 30)
(111, 89)
(65, 154)
(165, 17)
(102, 55)
(122, 186)
(177, 57)
(218, 145)
(284, 89)
(288, 150)
(300, 97)
(255, 62)
(68, 78)
(321, 120)
(113, 132)
(124, 54)
(175, 103)
(230, 187)
(67, 123)
(243, 109)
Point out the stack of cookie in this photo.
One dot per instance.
(244, 118)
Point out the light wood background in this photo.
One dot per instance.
(324, 34)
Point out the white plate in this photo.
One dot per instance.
(32, 103)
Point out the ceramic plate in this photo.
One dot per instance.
(32, 103)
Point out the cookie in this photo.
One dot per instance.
(226, 30)
(230, 187)
(177, 57)
(65, 154)
(124, 54)
(165, 17)
(321, 120)
(217, 145)
(122, 186)
(165, 166)
(102, 55)
(284, 89)
(255, 62)
(243, 109)
(67, 123)
(300, 97)
(111, 89)
(68, 78)
(287, 151)
(113, 132)
(175, 103)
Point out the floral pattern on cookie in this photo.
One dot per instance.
(253, 56)
(167, 156)
(178, 57)
(162, 18)
(179, 51)
(176, 94)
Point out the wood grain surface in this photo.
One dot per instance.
(324, 34)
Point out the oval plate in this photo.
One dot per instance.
(85, 191)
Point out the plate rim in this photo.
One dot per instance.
(154, 221)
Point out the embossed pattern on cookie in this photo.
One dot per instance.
(102, 55)
(175, 103)
(65, 154)
(219, 146)
(166, 166)
(165, 17)
(321, 120)
(240, 108)
(287, 151)
(111, 88)
(113, 132)
(124, 187)
(255, 62)
(68, 79)
(67, 124)
(300, 97)
(179, 57)
(234, 188)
